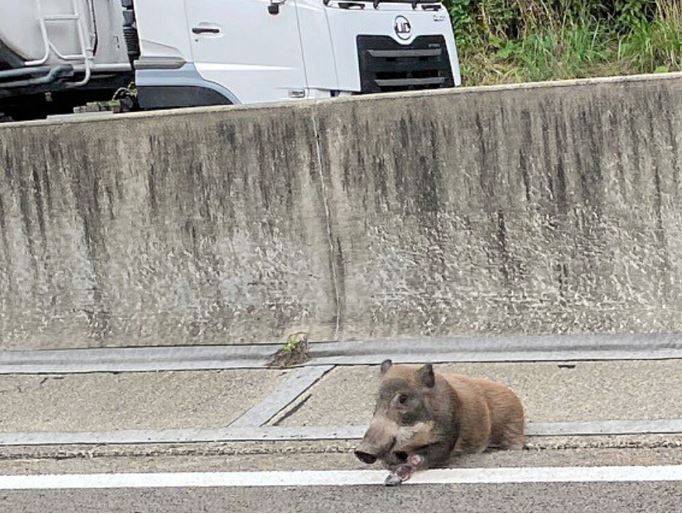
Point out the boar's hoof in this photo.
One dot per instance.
(393, 479)
(400, 475)
(365, 457)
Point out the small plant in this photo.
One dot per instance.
(293, 352)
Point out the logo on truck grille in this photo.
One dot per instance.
(402, 27)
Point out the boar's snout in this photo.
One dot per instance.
(377, 442)
(368, 451)
(365, 456)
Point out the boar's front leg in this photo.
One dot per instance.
(422, 458)
(404, 471)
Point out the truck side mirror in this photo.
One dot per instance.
(273, 8)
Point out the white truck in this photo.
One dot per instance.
(56, 55)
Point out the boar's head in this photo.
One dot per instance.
(402, 415)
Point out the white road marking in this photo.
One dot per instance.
(343, 478)
(313, 433)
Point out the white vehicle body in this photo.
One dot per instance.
(202, 52)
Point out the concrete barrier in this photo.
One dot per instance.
(549, 208)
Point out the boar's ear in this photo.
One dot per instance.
(426, 376)
(386, 365)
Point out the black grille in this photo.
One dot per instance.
(130, 30)
(386, 65)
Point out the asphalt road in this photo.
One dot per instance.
(546, 497)
(257, 494)
(552, 392)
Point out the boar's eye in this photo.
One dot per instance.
(402, 399)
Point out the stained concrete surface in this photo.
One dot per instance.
(576, 391)
(106, 401)
(523, 209)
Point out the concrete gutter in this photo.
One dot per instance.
(136, 359)
(502, 349)
(447, 349)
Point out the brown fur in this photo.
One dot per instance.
(491, 414)
(443, 413)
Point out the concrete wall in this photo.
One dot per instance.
(543, 209)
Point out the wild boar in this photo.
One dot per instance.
(422, 417)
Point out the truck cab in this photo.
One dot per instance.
(268, 50)
(180, 53)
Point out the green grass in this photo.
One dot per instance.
(531, 40)
(655, 46)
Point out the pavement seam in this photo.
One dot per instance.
(295, 383)
(241, 448)
(62, 454)
(303, 433)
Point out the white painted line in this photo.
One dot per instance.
(296, 383)
(313, 433)
(430, 349)
(343, 478)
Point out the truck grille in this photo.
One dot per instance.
(386, 65)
